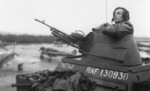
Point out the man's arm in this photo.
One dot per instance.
(118, 30)
(99, 28)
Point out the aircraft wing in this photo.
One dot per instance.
(143, 45)
(4, 58)
(59, 54)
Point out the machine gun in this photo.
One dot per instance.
(69, 39)
(61, 35)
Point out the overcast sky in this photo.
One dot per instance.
(17, 16)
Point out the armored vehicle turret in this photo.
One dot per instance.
(105, 64)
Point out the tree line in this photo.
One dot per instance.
(25, 38)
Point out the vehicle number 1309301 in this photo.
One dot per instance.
(114, 74)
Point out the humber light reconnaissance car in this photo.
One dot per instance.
(105, 64)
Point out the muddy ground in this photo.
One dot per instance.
(29, 56)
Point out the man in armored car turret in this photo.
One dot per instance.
(120, 37)
(112, 43)
(121, 27)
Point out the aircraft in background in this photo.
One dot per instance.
(143, 47)
(51, 52)
(139, 44)
(3, 45)
(6, 55)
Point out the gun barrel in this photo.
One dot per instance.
(51, 28)
(43, 23)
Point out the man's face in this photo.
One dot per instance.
(118, 16)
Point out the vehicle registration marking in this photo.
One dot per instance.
(67, 66)
(107, 73)
(111, 74)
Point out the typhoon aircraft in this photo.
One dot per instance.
(6, 55)
(51, 52)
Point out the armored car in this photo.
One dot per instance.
(105, 64)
